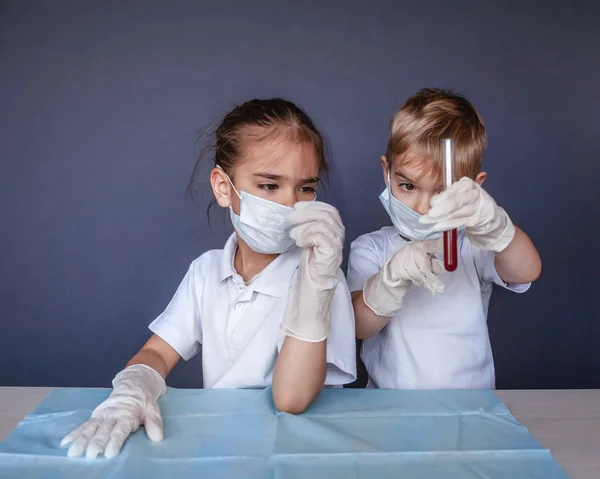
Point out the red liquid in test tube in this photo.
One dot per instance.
(450, 250)
(448, 177)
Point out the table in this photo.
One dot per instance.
(565, 421)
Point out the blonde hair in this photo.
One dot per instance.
(429, 115)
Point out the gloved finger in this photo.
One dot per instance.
(309, 211)
(98, 442)
(433, 283)
(458, 188)
(414, 265)
(153, 423)
(333, 231)
(451, 224)
(306, 234)
(74, 434)
(462, 217)
(452, 207)
(335, 226)
(433, 246)
(466, 197)
(437, 266)
(315, 206)
(322, 250)
(123, 428)
(83, 438)
(429, 280)
(421, 273)
(449, 194)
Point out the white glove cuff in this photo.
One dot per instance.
(307, 315)
(302, 337)
(140, 377)
(505, 238)
(383, 300)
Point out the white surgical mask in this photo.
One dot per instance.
(405, 219)
(261, 223)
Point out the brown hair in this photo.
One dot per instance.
(258, 120)
(429, 115)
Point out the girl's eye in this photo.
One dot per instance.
(407, 186)
(309, 190)
(268, 187)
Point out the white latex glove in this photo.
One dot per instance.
(466, 203)
(132, 403)
(415, 264)
(318, 229)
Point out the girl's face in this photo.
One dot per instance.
(283, 172)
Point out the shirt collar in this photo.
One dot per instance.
(227, 270)
(398, 241)
(274, 280)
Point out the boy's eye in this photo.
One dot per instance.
(309, 190)
(407, 186)
(268, 187)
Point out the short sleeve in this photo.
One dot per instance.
(179, 324)
(341, 343)
(362, 263)
(488, 275)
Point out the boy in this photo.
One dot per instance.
(414, 340)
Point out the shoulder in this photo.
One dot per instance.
(207, 264)
(376, 239)
(380, 243)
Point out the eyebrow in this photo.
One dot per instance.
(270, 176)
(312, 179)
(403, 175)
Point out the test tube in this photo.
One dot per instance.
(448, 177)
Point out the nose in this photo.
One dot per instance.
(290, 198)
(422, 206)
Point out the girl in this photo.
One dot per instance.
(260, 309)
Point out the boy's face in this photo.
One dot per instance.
(413, 182)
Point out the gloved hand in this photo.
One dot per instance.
(318, 229)
(466, 203)
(415, 264)
(132, 403)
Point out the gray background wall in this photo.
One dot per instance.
(99, 107)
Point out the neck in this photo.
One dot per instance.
(249, 263)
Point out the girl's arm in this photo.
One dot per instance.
(157, 354)
(133, 402)
(301, 367)
(299, 374)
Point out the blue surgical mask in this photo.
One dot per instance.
(405, 219)
(261, 223)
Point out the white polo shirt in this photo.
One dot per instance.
(237, 326)
(433, 342)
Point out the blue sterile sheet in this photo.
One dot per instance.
(345, 434)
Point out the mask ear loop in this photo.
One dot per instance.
(230, 182)
(389, 188)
